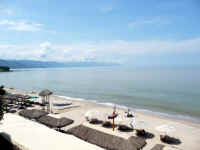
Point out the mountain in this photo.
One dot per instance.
(14, 64)
(4, 69)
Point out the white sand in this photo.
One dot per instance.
(187, 132)
(34, 136)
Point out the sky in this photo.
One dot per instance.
(134, 32)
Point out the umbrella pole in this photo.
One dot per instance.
(113, 124)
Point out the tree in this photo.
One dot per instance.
(2, 106)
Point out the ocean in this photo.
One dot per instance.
(173, 92)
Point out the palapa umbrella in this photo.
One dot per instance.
(95, 114)
(165, 128)
(139, 125)
(45, 94)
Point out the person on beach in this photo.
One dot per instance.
(129, 114)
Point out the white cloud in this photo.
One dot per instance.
(45, 45)
(112, 51)
(152, 21)
(21, 25)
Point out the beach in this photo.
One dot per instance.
(188, 132)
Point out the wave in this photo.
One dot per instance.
(146, 111)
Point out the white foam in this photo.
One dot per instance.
(76, 99)
(165, 114)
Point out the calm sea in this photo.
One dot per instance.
(169, 91)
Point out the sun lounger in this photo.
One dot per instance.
(158, 147)
(106, 141)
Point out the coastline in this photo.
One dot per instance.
(164, 115)
(135, 110)
(188, 132)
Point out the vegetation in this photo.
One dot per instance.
(4, 69)
(14, 64)
(2, 106)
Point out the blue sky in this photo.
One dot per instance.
(136, 32)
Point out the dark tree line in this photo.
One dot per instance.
(2, 106)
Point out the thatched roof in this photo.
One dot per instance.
(138, 142)
(45, 93)
(15, 97)
(158, 147)
(106, 141)
(55, 122)
(33, 113)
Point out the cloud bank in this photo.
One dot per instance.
(152, 21)
(101, 51)
(21, 25)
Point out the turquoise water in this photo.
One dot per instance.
(172, 91)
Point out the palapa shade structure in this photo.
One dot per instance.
(158, 147)
(45, 94)
(107, 141)
(95, 114)
(32, 114)
(138, 124)
(165, 128)
(55, 122)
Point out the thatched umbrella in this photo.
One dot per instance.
(45, 94)
(32, 114)
(165, 128)
(105, 140)
(55, 122)
(95, 114)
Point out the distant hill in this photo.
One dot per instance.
(4, 69)
(14, 64)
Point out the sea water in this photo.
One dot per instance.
(169, 91)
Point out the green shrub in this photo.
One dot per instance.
(2, 106)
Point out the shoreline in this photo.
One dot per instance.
(164, 115)
(135, 110)
(192, 120)
(186, 131)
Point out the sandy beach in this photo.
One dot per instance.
(186, 131)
